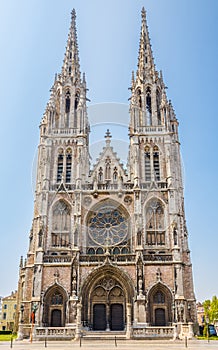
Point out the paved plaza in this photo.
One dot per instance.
(110, 344)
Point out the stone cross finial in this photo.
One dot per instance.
(108, 137)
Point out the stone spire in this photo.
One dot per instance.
(145, 57)
(71, 66)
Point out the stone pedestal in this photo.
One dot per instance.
(78, 321)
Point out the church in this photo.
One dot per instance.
(108, 247)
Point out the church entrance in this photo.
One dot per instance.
(107, 295)
(159, 306)
(54, 310)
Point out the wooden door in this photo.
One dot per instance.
(117, 323)
(56, 318)
(99, 317)
(160, 319)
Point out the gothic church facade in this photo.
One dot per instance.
(108, 248)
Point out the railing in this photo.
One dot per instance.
(57, 259)
(158, 257)
(100, 258)
(69, 131)
(108, 186)
(160, 185)
(153, 332)
(69, 187)
(151, 129)
(55, 332)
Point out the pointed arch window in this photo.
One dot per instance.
(57, 110)
(68, 165)
(60, 165)
(139, 96)
(156, 163)
(76, 103)
(57, 298)
(115, 175)
(158, 101)
(147, 164)
(61, 225)
(76, 100)
(155, 227)
(148, 106)
(67, 102)
(108, 169)
(100, 174)
(159, 298)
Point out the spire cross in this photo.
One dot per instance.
(108, 137)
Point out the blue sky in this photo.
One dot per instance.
(184, 41)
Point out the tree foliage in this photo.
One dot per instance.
(211, 309)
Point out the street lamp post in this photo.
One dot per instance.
(207, 325)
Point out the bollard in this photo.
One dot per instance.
(45, 342)
(80, 341)
(115, 341)
(11, 342)
(186, 342)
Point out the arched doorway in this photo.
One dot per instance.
(160, 305)
(105, 295)
(107, 305)
(54, 311)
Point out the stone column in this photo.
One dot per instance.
(128, 320)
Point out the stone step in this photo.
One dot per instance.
(99, 335)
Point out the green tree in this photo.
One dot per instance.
(211, 309)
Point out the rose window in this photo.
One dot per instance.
(108, 227)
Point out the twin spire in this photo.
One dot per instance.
(71, 66)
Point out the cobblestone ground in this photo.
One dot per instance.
(110, 344)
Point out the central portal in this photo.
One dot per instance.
(106, 300)
(107, 305)
(105, 318)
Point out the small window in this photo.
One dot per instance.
(5, 306)
(147, 164)
(116, 251)
(158, 101)
(4, 316)
(57, 299)
(148, 106)
(159, 298)
(99, 251)
(76, 100)
(60, 166)
(91, 251)
(68, 166)
(100, 175)
(67, 102)
(156, 164)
